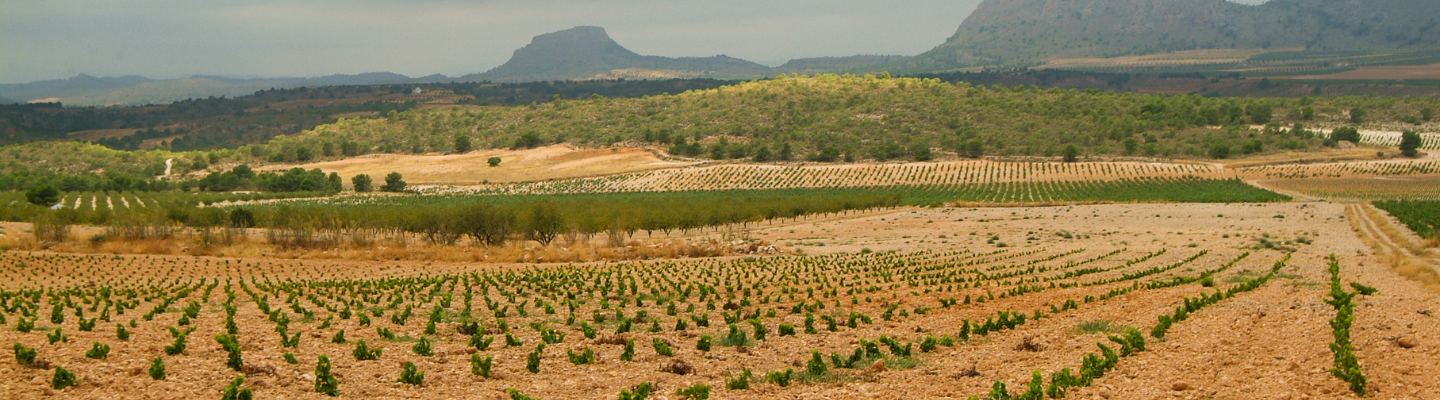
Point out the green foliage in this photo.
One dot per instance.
(62, 379)
(695, 392)
(640, 392)
(25, 355)
(422, 348)
(231, 346)
(1071, 153)
(325, 382)
(1423, 217)
(1348, 133)
(662, 348)
(629, 353)
(43, 195)
(410, 375)
(1357, 115)
(234, 392)
(98, 351)
(740, 381)
(363, 352)
(584, 357)
(532, 361)
(362, 183)
(157, 369)
(516, 395)
(481, 366)
(1346, 367)
(780, 378)
(393, 183)
(462, 144)
(1410, 143)
(493, 161)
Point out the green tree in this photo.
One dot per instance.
(393, 183)
(1307, 113)
(1357, 115)
(1427, 114)
(362, 183)
(1131, 145)
(1071, 153)
(786, 153)
(462, 143)
(494, 161)
(1410, 144)
(333, 184)
(1220, 151)
(973, 148)
(920, 149)
(1261, 113)
(545, 223)
(762, 154)
(1348, 133)
(43, 195)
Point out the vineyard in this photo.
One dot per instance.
(1423, 217)
(952, 315)
(1362, 189)
(939, 174)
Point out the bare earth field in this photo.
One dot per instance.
(1399, 72)
(554, 162)
(1118, 265)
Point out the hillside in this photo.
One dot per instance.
(1028, 32)
(86, 90)
(588, 52)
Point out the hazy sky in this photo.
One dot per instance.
(49, 39)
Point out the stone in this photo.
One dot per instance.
(1180, 386)
(1407, 342)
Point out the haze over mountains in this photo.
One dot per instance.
(1000, 33)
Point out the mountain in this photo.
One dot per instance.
(4, 101)
(588, 52)
(1015, 33)
(861, 63)
(86, 90)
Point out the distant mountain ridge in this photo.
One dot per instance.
(588, 52)
(1017, 33)
(86, 90)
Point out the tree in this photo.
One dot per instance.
(362, 183)
(1348, 133)
(393, 183)
(1220, 151)
(762, 154)
(1357, 115)
(1261, 113)
(43, 195)
(462, 143)
(786, 153)
(1427, 114)
(494, 161)
(920, 149)
(974, 148)
(545, 223)
(1071, 153)
(1307, 113)
(1410, 144)
(1131, 145)
(333, 183)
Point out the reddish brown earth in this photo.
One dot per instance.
(1263, 344)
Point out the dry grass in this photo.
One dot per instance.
(554, 162)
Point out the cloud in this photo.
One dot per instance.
(167, 38)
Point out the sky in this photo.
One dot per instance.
(53, 39)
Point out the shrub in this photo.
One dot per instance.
(362, 183)
(62, 379)
(98, 351)
(290, 358)
(25, 356)
(339, 337)
(584, 357)
(232, 346)
(704, 343)
(780, 378)
(481, 366)
(1410, 144)
(696, 392)
(662, 348)
(121, 333)
(739, 382)
(816, 366)
(363, 352)
(56, 336)
(157, 369)
(516, 395)
(422, 348)
(325, 382)
(234, 392)
(629, 353)
(640, 392)
(494, 161)
(410, 375)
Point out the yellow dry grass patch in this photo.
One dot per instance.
(1304, 157)
(1188, 57)
(554, 162)
(1431, 71)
